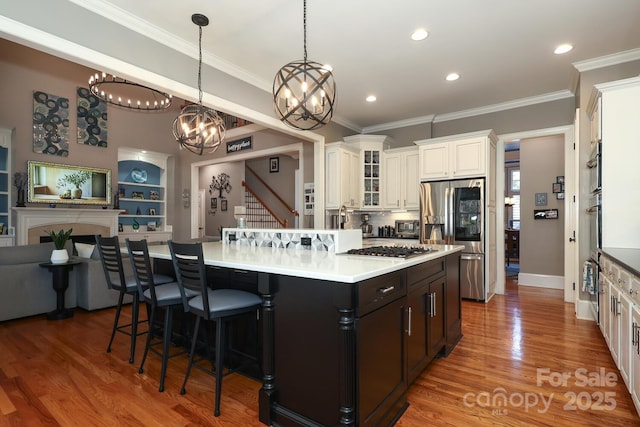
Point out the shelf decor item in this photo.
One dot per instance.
(197, 128)
(60, 255)
(304, 91)
(20, 182)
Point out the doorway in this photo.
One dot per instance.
(512, 210)
(568, 256)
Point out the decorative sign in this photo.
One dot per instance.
(545, 214)
(239, 145)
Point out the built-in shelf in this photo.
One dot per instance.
(141, 188)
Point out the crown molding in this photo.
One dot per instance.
(607, 60)
(399, 124)
(509, 105)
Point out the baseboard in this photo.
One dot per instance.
(541, 281)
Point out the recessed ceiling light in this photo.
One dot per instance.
(371, 98)
(563, 48)
(419, 34)
(452, 77)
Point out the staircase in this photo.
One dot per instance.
(258, 214)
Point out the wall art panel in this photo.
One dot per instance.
(50, 124)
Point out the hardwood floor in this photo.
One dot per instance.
(57, 373)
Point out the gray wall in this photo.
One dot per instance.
(541, 240)
(214, 219)
(24, 70)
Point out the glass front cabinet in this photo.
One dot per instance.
(371, 173)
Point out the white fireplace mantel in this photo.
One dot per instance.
(30, 217)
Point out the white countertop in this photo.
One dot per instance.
(305, 263)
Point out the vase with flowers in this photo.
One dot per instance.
(60, 255)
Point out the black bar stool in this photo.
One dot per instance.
(219, 306)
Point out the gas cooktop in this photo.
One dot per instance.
(392, 251)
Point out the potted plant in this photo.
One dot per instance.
(60, 254)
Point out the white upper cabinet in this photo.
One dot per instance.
(458, 156)
(401, 181)
(619, 115)
(342, 166)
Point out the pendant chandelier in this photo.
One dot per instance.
(197, 128)
(123, 93)
(304, 91)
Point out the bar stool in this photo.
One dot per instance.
(111, 258)
(219, 306)
(167, 296)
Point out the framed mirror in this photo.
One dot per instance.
(55, 183)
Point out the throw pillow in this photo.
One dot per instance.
(84, 249)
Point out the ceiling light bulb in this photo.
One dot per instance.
(563, 48)
(419, 34)
(452, 77)
(371, 98)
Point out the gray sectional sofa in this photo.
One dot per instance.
(26, 289)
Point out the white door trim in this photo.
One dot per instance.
(571, 266)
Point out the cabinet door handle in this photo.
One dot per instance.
(634, 336)
(434, 305)
(386, 289)
(618, 304)
(409, 330)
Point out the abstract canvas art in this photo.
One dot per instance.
(50, 124)
(92, 119)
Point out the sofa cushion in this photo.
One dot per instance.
(84, 250)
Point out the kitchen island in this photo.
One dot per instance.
(342, 335)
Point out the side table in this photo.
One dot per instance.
(60, 273)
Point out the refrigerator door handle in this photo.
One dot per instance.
(452, 228)
(446, 216)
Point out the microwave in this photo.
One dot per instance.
(408, 228)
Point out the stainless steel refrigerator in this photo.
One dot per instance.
(452, 212)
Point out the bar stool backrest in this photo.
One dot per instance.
(188, 263)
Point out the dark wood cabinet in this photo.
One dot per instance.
(345, 353)
(435, 317)
(425, 315)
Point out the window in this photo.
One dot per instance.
(515, 180)
(514, 193)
